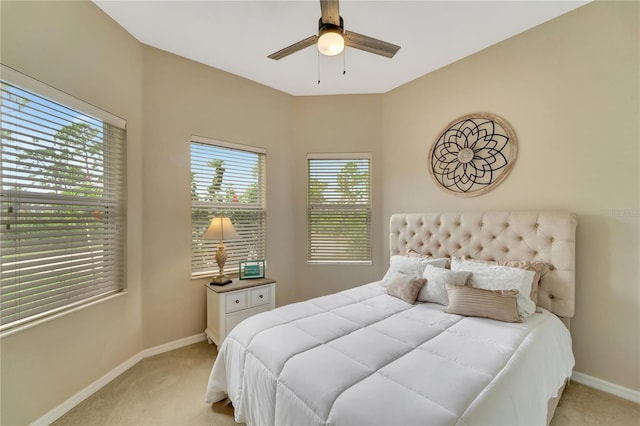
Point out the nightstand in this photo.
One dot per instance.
(229, 304)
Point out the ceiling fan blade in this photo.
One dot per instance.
(370, 44)
(294, 48)
(330, 12)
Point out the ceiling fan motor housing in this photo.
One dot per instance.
(324, 27)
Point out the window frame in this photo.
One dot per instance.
(110, 215)
(360, 156)
(260, 208)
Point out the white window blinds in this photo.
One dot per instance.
(62, 182)
(339, 208)
(227, 180)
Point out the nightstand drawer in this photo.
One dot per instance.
(236, 301)
(229, 304)
(260, 296)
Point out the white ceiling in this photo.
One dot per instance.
(236, 36)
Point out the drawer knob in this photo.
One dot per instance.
(237, 301)
(261, 296)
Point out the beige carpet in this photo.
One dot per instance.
(168, 389)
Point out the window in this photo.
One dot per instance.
(62, 183)
(339, 208)
(227, 179)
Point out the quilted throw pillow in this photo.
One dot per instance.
(500, 305)
(413, 253)
(405, 287)
(435, 290)
(496, 277)
(412, 266)
(538, 267)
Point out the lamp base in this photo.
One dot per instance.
(220, 280)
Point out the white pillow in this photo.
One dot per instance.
(437, 278)
(496, 277)
(412, 266)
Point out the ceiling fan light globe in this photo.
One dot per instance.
(331, 43)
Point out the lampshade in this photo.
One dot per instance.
(331, 42)
(221, 229)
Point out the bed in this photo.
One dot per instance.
(363, 356)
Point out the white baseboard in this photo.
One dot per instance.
(76, 399)
(608, 387)
(156, 350)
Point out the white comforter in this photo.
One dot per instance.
(363, 357)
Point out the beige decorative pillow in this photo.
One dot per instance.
(538, 267)
(405, 287)
(477, 302)
(539, 270)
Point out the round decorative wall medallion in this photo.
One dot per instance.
(473, 154)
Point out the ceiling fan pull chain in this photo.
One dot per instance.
(344, 62)
(318, 67)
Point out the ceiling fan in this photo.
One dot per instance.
(332, 37)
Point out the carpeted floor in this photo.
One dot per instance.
(168, 389)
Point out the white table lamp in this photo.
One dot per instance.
(221, 229)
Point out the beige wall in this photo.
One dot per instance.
(84, 53)
(183, 98)
(336, 124)
(569, 88)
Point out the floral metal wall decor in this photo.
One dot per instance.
(473, 154)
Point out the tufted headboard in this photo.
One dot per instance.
(498, 236)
